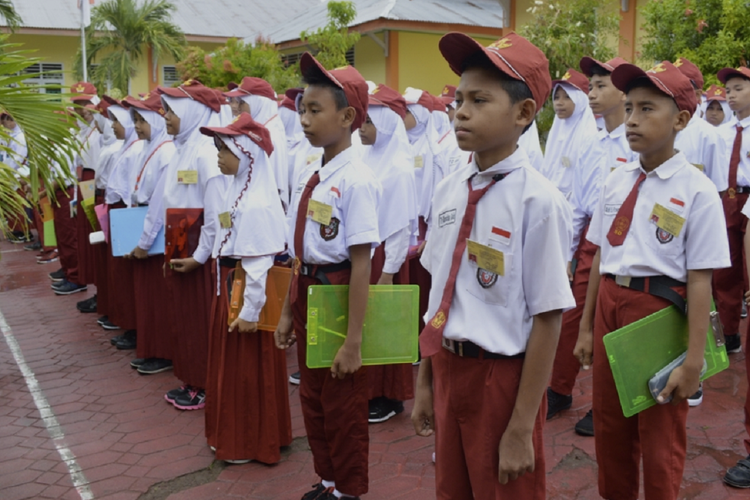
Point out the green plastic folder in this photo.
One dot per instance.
(50, 238)
(639, 350)
(391, 329)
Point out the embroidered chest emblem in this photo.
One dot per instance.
(330, 231)
(663, 236)
(486, 278)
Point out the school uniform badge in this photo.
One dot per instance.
(486, 278)
(330, 231)
(663, 236)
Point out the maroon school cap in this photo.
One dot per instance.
(386, 96)
(244, 125)
(691, 71)
(83, 91)
(346, 78)
(149, 102)
(513, 55)
(727, 73)
(196, 91)
(448, 96)
(589, 62)
(716, 93)
(574, 78)
(665, 76)
(251, 85)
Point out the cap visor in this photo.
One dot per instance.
(588, 63)
(235, 93)
(457, 47)
(308, 62)
(727, 73)
(214, 131)
(626, 73)
(81, 97)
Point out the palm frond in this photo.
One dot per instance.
(8, 12)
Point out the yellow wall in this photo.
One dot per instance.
(369, 59)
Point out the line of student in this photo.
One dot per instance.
(521, 250)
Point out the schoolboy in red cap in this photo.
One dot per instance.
(700, 142)
(600, 154)
(728, 289)
(496, 255)
(636, 251)
(332, 244)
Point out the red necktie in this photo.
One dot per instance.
(621, 225)
(734, 162)
(299, 233)
(431, 337)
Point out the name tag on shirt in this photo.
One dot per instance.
(667, 220)
(319, 212)
(419, 161)
(699, 166)
(225, 219)
(565, 161)
(313, 158)
(187, 177)
(486, 257)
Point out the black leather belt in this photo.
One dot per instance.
(468, 349)
(98, 192)
(319, 272)
(659, 286)
(228, 262)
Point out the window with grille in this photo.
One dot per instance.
(45, 74)
(169, 76)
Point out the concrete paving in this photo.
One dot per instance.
(91, 427)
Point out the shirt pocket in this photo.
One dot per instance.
(489, 287)
(663, 242)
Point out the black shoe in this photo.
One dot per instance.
(137, 362)
(557, 402)
(195, 399)
(697, 398)
(117, 338)
(36, 246)
(102, 320)
(585, 426)
(319, 492)
(739, 475)
(57, 276)
(68, 288)
(88, 305)
(382, 409)
(182, 391)
(128, 341)
(294, 378)
(17, 237)
(155, 365)
(107, 325)
(733, 343)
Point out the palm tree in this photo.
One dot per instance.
(8, 12)
(119, 34)
(49, 130)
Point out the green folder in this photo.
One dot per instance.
(391, 330)
(639, 350)
(50, 238)
(88, 208)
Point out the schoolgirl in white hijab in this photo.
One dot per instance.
(569, 131)
(118, 182)
(451, 158)
(246, 373)
(110, 145)
(391, 159)
(717, 96)
(259, 100)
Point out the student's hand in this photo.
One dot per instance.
(570, 271)
(284, 336)
(683, 382)
(184, 265)
(584, 348)
(516, 455)
(347, 361)
(421, 247)
(139, 253)
(244, 326)
(423, 413)
(385, 279)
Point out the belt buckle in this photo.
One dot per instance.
(449, 345)
(731, 192)
(623, 281)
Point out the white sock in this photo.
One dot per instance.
(338, 494)
(328, 484)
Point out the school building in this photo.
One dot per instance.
(398, 45)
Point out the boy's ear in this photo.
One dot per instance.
(526, 112)
(681, 120)
(347, 117)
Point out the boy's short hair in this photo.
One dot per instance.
(664, 77)
(316, 78)
(590, 66)
(727, 74)
(599, 71)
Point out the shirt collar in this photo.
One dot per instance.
(518, 159)
(335, 164)
(745, 123)
(666, 169)
(615, 134)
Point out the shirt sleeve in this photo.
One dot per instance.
(256, 270)
(212, 199)
(154, 216)
(396, 250)
(718, 162)
(706, 223)
(545, 280)
(594, 234)
(361, 212)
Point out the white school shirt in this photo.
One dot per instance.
(728, 132)
(525, 217)
(529, 141)
(702, 145)
(16, 158)
(648, 250)
(746, 209)
(599, 156)
(350, 187)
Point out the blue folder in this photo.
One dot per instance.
(126, 227)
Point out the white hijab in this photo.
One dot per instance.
(565, 139)
(149, 164)
(423, 138)
(110, 146)
(728, 113)
(392, 161)
(118, 184)
(292, 127)
(258, 220)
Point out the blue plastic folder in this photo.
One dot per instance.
(126, 227)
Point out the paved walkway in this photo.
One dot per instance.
(76, 422)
